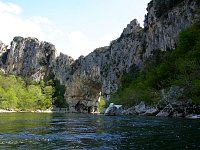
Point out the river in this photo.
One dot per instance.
(86, 131)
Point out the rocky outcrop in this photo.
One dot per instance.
(165, 20)
(3, 52)
(140, 108)
(113, 110)
(102, 69)
(29, 58)
(100, 72)
(176, 109)
(3, 48)
(62, 68)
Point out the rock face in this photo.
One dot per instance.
(99, 73)
(165, 20)
(28, 57)
(102, 69)
(3, 48)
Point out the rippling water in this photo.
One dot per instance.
(85, 131)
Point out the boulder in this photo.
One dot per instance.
(113, 110)
(193, 116)
(177, 114)
(166, 112)
(151, 112)
(129, 111)
(140, 108)
(163, 113)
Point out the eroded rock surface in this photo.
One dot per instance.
(99, 73)
(28, 57)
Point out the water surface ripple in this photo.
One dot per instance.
(85, 131)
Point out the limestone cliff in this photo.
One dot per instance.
(102, 69)
(3, 50)
(99, 73)
(165, 20)
(28, 57)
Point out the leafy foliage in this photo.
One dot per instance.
(59, 91)
(178, 67)
(21, 94)
(58, 96)
(102, 104)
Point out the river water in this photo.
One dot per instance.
(87, 131)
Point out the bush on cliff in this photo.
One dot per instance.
(177, 67)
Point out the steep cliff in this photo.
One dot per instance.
(100, 72)
(3, 48)
(28, 57)
(165, 20)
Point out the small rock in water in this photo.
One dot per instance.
(163, 114)
(166, 112)
(151, 112)
(193, 116)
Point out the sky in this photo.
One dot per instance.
(75, 27)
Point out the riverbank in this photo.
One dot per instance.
(6, 111)
(21, 111)
(55, 110)
(13, 111)
(176, 109)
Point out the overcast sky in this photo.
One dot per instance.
(75, 27)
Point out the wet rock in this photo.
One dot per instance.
(193, 116)
(166, 112)
(163, 113)
(177, 114)
(151, 112)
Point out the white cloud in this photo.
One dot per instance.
(81, 44)
(41, 20)
(10, 8)
(72, 43)
(12, 24)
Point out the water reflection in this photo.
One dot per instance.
(84, 131)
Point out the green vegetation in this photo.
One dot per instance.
(59, 91)
(178, 67)
(102, 104)
(19, 94)
(58, 96)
